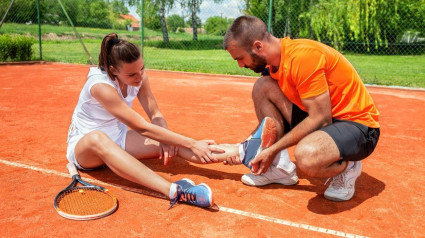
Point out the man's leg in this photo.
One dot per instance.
(318, 156)
(335, 151)
(269, 101)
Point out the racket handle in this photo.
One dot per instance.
(72, 169)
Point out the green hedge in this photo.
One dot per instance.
(15, 48)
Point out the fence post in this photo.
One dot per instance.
(141, 25)
(76, 33)
(39, 29)
(269, 25)
(7, 12)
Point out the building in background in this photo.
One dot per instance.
(133, 23)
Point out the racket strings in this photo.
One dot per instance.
(82, 201)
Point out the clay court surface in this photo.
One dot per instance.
(36, 104)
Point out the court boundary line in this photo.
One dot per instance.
(219, 208)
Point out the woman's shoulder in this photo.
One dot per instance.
(96, 72)
(97, 75)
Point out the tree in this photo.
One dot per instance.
(217, 25)
(175, 21)
(163, 6)
(372, 25)
(190, 24)
(118, 7)
(194, 7)
(150, 16)
(7, 11)
(288, 16)
(364, 25)
(22, 11)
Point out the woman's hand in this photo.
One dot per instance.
(167, 152)
(233, 160)
(204, 153)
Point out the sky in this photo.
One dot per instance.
(229, 9)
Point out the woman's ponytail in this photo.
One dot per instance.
(114, 51)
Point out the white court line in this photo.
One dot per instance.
(223, 209)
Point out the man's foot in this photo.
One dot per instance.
(342, 185)
(199, 195)
(273, 175)
(263, 138)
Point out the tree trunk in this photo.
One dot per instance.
(163, 23)
(310, 29)
(288, 24)
(193, 9)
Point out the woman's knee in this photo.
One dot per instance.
(98, 141)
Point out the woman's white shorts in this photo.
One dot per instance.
(74, 136)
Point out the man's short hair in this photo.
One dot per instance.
(245, 30)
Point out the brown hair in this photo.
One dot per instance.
(114, 51)
(245, 30)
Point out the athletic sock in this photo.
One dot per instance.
(350, 164)
(173, 191)
(241, 152)
(283, 161)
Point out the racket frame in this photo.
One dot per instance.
(75, 180)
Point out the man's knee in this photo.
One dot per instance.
(306, 156)
(262, 87)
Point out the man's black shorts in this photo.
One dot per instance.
(354, 140)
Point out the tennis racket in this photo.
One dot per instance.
(86, 202)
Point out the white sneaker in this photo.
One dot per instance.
(342, 185)
(273, 175)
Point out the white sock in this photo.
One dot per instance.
(350, 164)
(241, 152)
(283, 161)
(173, 191)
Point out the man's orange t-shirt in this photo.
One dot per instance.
(308, 68)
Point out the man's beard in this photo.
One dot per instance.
(258, 63)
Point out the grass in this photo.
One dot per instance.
(407, 71)
(396, 70)
(205, 55)
(92, 33)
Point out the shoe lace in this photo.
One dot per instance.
(337, 181)
(183, 196)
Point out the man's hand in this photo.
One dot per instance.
(262, 162)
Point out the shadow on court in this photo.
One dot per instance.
(367, 187)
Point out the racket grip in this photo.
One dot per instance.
(72, 169)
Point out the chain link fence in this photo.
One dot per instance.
(187, 35)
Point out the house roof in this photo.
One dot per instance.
(129, 17)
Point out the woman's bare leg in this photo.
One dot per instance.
(143, 148)
(96, 149)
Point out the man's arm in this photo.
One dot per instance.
(319, 115)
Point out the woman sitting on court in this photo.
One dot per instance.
(98, 133)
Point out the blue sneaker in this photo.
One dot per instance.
(199, 195)
(263, 138)
(185, 183)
